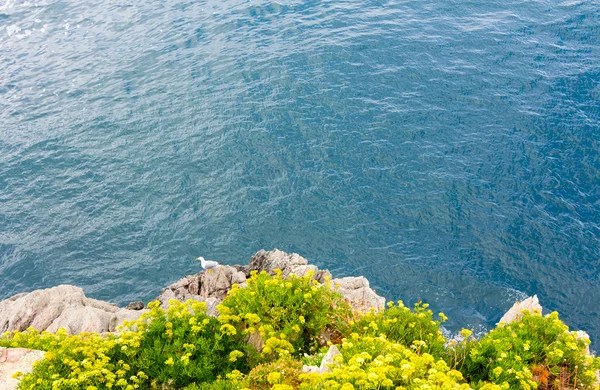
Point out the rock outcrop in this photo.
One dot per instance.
(58, 307)
(327, 360)
(357, 292)
(292, 263)
(515, 313)
(212, 286)
(14, 360)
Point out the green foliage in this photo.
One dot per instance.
(534, 352)
(283, 372)
(289, 314)
(407, 327)
(183, 344)
(369, 362)
(176, 347)
(395, 348)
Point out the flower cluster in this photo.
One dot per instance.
(369, 362)
(288, 313)
(403, 325)
(532, 352)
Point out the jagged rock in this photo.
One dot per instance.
(13, 360)
(210, 287)
(582, 335)
(287, 263)
(357, 292)
(63, 306)
(138, 305)
(531, 304)
(256, 340)
(217, 282)
(327, 360)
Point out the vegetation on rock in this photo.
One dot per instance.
(268, 329)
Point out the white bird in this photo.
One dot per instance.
(207, 264)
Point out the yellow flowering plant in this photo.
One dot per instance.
(178, 346)
(368, 362)
(534, 352)
(290, 312)
(403, 325)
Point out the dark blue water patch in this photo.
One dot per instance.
(448, 151)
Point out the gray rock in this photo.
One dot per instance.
(210, 287)
(326, 362)
(13, 360)
(531, 304)
(357, 292)
(583, 335)
(58, 307)
(328, 359)
(138, 305)
(288, 263)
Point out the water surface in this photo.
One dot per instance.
(449, 151)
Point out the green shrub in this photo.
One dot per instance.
(175, 347)
(405, 326)
(368, 362)
(285, 371)
(183, 345)
(289, 314)
(534, 352)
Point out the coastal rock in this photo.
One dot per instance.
(292, 263)
(13, 360)
(217, 282)
(327, 360)
(357, 292)
(210, 287)
(58, 307)
(531, 304)
(138, 305)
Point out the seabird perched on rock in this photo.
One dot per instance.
(207, 264)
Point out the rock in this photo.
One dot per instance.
(210, 287)
(306, 368)
(218, 281)
(582, 335)
(288, 263)
(138, 305)
(256, 340)
(13, 360)
(58, 307)
(531, 304)
(327, 360)
(357, 292)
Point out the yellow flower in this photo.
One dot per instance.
(273, 377)
(168, 362)
(228, 329)
(234, 355)
(497, 371)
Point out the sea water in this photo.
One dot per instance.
(449, 151)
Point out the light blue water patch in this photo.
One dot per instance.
(448, 151)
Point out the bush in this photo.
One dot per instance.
(290, 314)
(534, 352)
(283, 372)
(183, 345)
(175, 347)
(407, 327)
(377, 363)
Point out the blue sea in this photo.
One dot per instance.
(449, 151)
